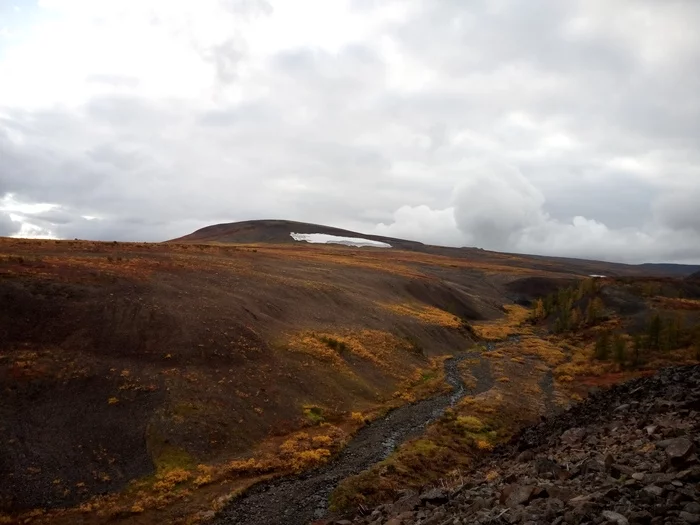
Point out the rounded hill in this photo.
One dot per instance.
(278, 231)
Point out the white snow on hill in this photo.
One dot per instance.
(322, 238)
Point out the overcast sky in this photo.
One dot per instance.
(553, 127)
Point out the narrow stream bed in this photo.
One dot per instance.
(297, 500)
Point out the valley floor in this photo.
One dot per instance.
(302, 498)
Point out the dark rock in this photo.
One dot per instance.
(558, 492)
(688, 517)
(406, 503)
(435, 496)
(608, 461)
(519, 495)
(525, 456)
(573, 436)
(679, 449)
(640, 518)
(617, 471)
(406, 516)
(548, 467)
(655, 490)
(592, 465)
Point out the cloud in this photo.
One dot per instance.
(422, 224)
(496, 204)
(679, 209)
(566, 128)
(8, 227)
(497, 208)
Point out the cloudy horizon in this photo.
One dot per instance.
(547, 127)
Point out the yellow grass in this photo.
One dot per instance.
(500, 329)
(544, 349)
(381, 348)
(426, 314)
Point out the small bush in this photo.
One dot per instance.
(357, 417)
(321, 441)
(314, 413)
(334, 344)
(469, 424)
(168, 481)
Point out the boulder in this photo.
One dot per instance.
(435, 496)
(514, 495)
(678, 450)
(573, 436)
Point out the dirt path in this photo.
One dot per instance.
(297, 500)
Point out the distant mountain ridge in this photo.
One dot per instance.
(277, 231)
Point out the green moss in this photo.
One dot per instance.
(469, 424)
(171, 458)
(314, 413)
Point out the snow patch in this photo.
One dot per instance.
(322, 238)
(596, 276)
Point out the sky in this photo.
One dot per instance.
(549, 127)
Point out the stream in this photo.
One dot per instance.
(297, 500)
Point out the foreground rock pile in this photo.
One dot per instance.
(628, 455)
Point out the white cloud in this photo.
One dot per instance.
(495, 204)
(423, 224)
(497, 208)
(565, 128)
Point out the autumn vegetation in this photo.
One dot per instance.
(223, 365)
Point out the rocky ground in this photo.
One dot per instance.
(628, 455)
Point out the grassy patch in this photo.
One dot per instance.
(314, 414)
(424, 313)
(501, 329)
(378, 347)
(173, 458)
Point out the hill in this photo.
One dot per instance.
(278, 232)
(151, 383)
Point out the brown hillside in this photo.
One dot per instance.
(144, 381)
(116, 359)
